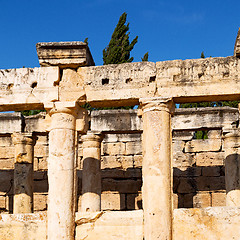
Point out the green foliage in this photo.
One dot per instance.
(210, 104)
(31, 112)
(86, 41)
(119, 47)
(145, 57)
(201, 134)
(202, 55)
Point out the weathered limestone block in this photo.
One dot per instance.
(112, 201)
(36, 123)
(71, 86)
(218, 199)
(181, 159)
(210, 158)
(206, 223)
(23, 226)
(118, 148)
(206, 145)
(64, 54)
(7, 152)
(110, 162)
(119, 83)
(137, 161)
(115, 120)
(109, 225)
(122, 137)
(182, 135)
(10, 122)
(28, 88)
(202, 200)
(40, 202)
(206, 79)
(133, 148)
(209, 117)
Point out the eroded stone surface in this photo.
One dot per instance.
(209, 223)
(28, 88)
(64, 54)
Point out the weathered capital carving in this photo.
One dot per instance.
(157, 104)
(23, 138)
(66, 115)
(92, 140)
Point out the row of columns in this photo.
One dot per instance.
(156, 170)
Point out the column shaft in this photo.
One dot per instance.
(232, 167)
(23, 173)
(157, 172)
(91, 173)
(61, 214)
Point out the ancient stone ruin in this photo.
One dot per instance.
(69, 173)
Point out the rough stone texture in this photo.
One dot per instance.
(28, 88)
(64, 54)
(207, 223)
(23, 226)
(115, 120)
(109, 225)
(11, 122)
(156, 169)
(126, 82)
(199, 145)
(208, 79)
(209, 117)
(91, 174)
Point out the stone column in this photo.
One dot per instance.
(23, 173)
(232, 166)
(91, 173)
(61, 212)
(156, 169)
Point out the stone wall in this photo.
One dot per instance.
(198, 164)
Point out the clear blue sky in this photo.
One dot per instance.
(167, 29)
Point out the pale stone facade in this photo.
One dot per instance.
(158, 159)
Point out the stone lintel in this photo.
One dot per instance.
(64, 54)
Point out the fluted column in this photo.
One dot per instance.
(156, 169)
(232, 166)
(91, 173)
(23, 173)
(61, 211)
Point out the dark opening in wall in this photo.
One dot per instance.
(34, 84)
(105, 81)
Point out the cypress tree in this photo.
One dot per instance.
(145, 57)
(119, 47)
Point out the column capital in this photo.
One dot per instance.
(23, 138)
(92, 136)
(92, 139)
(66, 115)
(157, 104)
